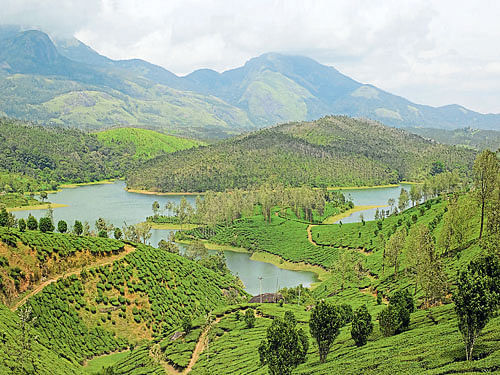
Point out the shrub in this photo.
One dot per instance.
(362, 326)
(249, 318)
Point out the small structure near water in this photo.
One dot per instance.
(267, 298)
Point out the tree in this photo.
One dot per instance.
(426, 267)
(249, 318)
(477, 298)
(78, 228)
(156, 208)
(168, 246)
(196, 250)
(324, 324)
(456, 224)
(103, 228)
(143, 231)
(437, 168)
(186, 324)
(46, 225)
(394, 247)
(117, 233)
(21, 224)
(415, 194)
(362, 326)
(62, 226)
(4, 217)
(345, 267)
(403, 200)
(43, 195)
(285, 347)
(395, 318)
(31, 223)
(391, 202)
(486, 170)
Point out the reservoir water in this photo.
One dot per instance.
(113, 203)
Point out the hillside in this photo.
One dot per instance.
(466, 137)
(91, 296)
(68, 83)
(34, 157)
(147, 143)
(332, 151)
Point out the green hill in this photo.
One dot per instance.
(332, 151)
(147, 143)
(34, 157)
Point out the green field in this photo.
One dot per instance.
(147, 143)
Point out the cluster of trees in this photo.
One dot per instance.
(285, 346)
(35, 157)
(333, 151)
(225, 207)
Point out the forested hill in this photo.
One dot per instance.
(34, 157)
(332, 151)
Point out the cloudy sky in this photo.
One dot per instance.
(432, 52)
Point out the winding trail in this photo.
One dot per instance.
(102, 262)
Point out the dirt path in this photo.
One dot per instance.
(310, 236)
(102, 262)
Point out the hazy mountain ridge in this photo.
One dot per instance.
(272, 88)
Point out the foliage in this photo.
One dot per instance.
(396, 317)
(477, 298)
(362, 326)
(325, 323)
(285, 347)
(249, 318)
(45, 224)
(332, 151)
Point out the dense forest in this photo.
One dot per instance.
(332, 151)
(34, 157)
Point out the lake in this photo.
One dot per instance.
(113, 203)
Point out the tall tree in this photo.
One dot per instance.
(415, 194)
(285, 346)
(403, 199)
(394, 247)
(324, 324)
(362, 326)
(477, 298)
(486, 170)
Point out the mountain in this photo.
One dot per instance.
(332, 151)
(65, 82)
(39, 83)
(467, 137)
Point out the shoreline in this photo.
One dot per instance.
(333, 219)
(261, 256)
(171, 226)
(147, 192)
(44, 206)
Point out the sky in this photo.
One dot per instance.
(431, 52)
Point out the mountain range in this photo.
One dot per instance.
(65, 82)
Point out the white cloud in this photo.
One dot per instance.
(432, 52)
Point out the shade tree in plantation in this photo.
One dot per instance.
(62, 226)
(285, 346)
(403, 200)
(486, 170)
(78, 227)
(45, 224)
(457, 222)
(395, 318)
(393, 248)
(362, 326)
(249, 318)
(324, 325)
(424, 265)
(477, 298)
(21, 224)
(32, 223)
(415, 194)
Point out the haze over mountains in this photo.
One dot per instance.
(66, 82)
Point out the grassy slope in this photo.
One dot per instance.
(147, 143)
